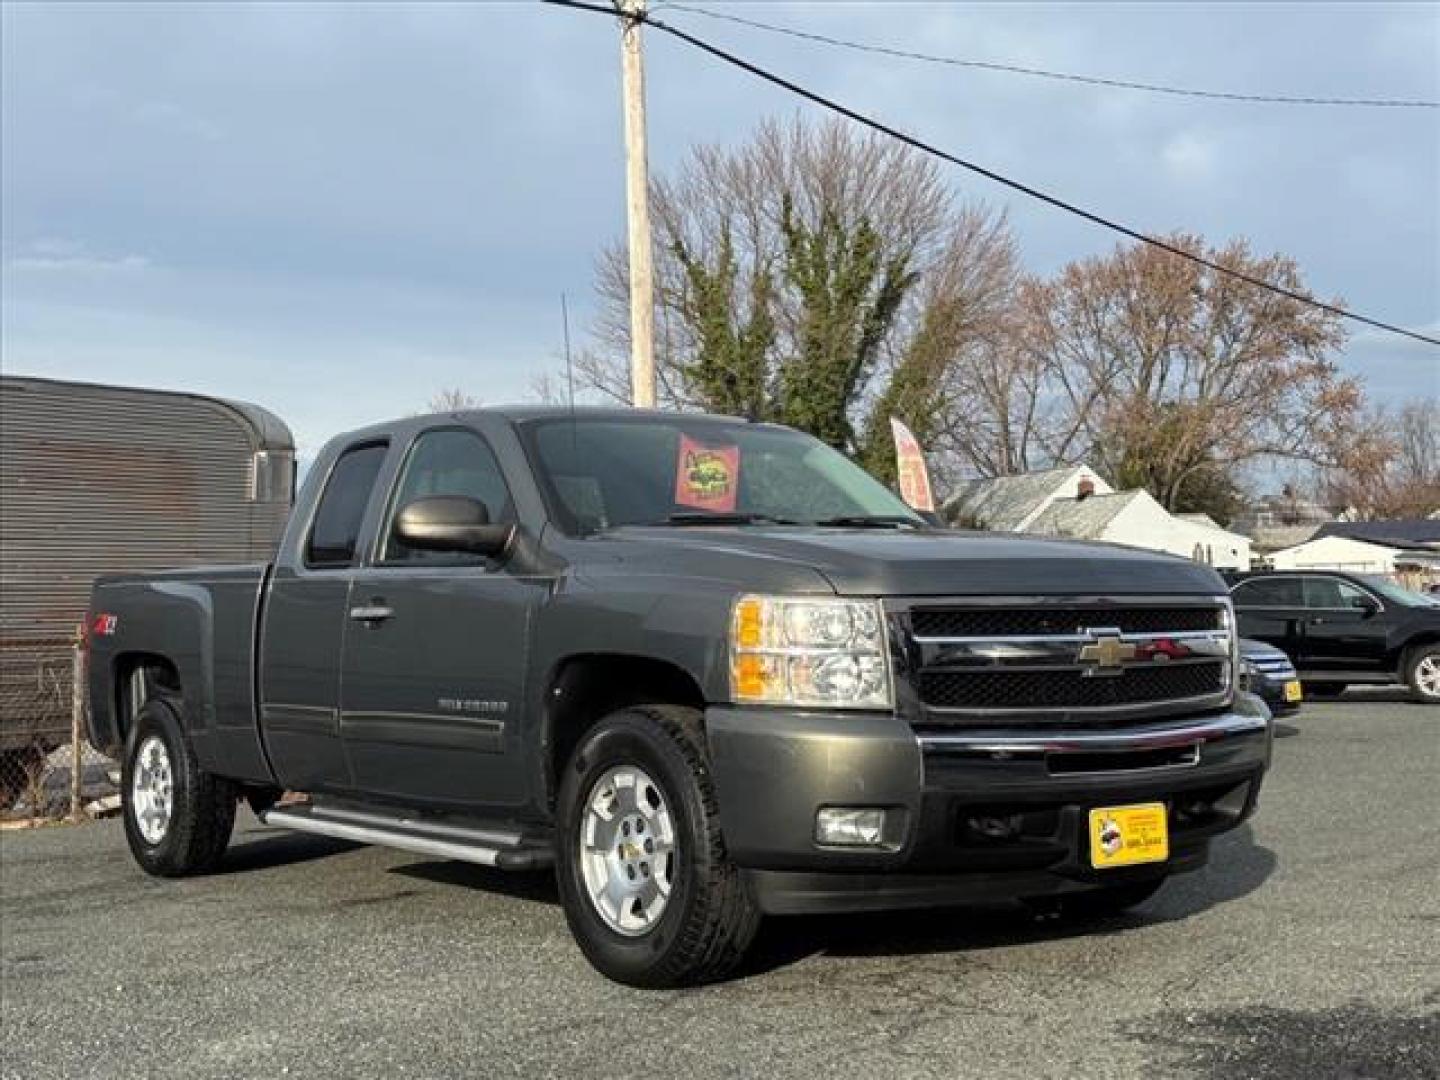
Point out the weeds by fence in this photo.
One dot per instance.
(47, 769)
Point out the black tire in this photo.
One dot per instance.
(710, 918)
(1324, 689)
(1421, 666)
(1109, 901)
(202, 806)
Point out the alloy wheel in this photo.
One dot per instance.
(152, 790)
(628, 850)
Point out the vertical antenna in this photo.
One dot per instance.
(569, 369)
(569, 382)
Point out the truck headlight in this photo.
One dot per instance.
(821, 652)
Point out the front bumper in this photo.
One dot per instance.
(944, 790)
(1272, 692)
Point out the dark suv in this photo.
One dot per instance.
(1343, 628)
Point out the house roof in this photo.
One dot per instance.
(1414, 533)
(1083, 519)
(1279, 537)
(1003, 504)
(1201, 519)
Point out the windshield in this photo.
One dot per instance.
(1398, 594)
(648, 471)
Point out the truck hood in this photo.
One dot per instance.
(935, 562)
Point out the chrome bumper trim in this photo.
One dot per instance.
(1150, 737)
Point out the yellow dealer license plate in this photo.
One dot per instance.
(1126, 835)
(1293, 691)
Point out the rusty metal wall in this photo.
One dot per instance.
(100, 479)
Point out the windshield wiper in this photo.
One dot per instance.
(702, 518)
(869, 521)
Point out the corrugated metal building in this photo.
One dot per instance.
(98, 479)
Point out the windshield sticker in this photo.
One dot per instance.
(706, 477)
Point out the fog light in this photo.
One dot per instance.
(850, 826)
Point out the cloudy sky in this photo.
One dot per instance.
(336, 210)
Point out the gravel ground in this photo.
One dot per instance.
(1309, 948)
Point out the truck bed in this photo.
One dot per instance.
(203, 620)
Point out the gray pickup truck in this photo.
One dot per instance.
(705, 669)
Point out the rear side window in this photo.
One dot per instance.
(1329, 592)
(1269, 592)
(336, 532)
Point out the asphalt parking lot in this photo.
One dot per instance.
(1309, 948)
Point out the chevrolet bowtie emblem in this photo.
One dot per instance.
(1106, 654)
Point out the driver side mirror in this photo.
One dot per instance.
(452, 523)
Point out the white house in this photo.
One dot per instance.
(1077, 502)
(1336, 553)
(1407, 550)
(1011, 503)
(1356, 556)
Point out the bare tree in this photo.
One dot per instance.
(815, 275)
(1168, 375)
(550, 388)
(953, 373)
(837, 267)
(1392, 470)
(451, 399)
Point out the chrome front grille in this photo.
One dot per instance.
(1069, 689)
(1042, 660)
(938, 623)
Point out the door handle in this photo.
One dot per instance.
(373, 612)
(1318, 620)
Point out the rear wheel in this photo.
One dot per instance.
(1422, 674)
(648, 891)
(1324, 689)
(178, 818)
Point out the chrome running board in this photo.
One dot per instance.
(502, 848)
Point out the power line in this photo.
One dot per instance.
(1024, 189)
(1062, 76)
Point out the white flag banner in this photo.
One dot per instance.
(910, 467)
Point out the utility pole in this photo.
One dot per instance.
(637, 194)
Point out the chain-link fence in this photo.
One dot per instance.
(47, 769)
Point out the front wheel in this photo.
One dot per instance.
(178, 818)
(648, 891)
(1422, 674)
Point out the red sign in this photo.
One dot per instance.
(910, 467)
(706, 477)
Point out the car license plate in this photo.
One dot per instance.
(1293, 692)
(1126, 835)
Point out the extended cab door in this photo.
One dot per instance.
(1344, 626)
(302, 632)
(435, 648)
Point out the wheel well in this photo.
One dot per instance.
(1420, 641)
(138, 677)
(587, 688)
